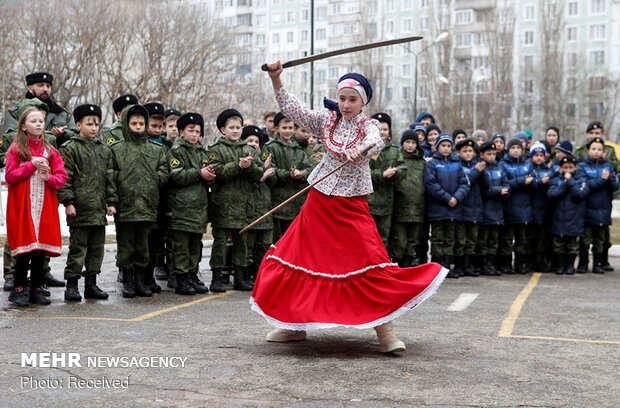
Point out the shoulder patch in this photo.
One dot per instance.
(210, 157)
(110, 140)
(265, 155)
(174, 163)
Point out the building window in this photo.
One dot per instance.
(527, 110)
(407, 4)
(260, 20)
(463, 40)
(304, 35)
(389, 27)
(336, 8)
(260, 39)
(388, 94)
(598, 83)
(389, 50)
(371, 7)
(275, 18)
(597, 110)
(464, 16)
(528, 86)
(571, 110)
(597, 6)
(573, 8)
(528, 37)
(424, 3)
(406, 70)
(290, 17)
(406, 92)
(407, 26)
(597, 32)
(333, 73)
(321, 13)
(571, 59)
(290, 37)
(275, 39)
(571, 34)
(529, 13)
(528, 61)
(305, 15)
(423, 23)
(389, 5)
(597, 58)
(320, 76)
(571, 85)
(321, 34)
(389, 71)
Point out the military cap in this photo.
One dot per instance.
(37, 77)
(568, 159)
(487, 146)
(383, 117)
(86, 110)
(124, 100)
(464, 143)
(224, 116)
(594, 125)
(190, 118)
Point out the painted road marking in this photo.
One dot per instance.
(508, 324)
(462, 302)
(135, 319)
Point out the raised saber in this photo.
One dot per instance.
(288, 200)
(341, 51)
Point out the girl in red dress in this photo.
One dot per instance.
(331, 268)
(34, 171)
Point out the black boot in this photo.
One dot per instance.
(37, 297)
(485, 268)
(597, 264)
(506, 262)
(72, 293)
(120, 276)
(458, 265)
(240, 283)
(91, 290)
(547, 264)
(183, 285)
(8, 284)
(129, 290)
(605, 261)
(559, 264)
(172, 281)
(468, 269)
(569, 268)
(161, 272)
(18, 298)
(216, 282)
(582, 267)
(490, 261)
(149, 280)
(476, 263)
(197, 284)
(49, 280)
(445, 262)
(138, 282)
(525, 265)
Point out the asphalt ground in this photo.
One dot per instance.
(537, 340)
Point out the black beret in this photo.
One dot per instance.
(86, 110)
(487, 146)
(595, 140)
(190, 118)
(154, 108)
(568, 159)
(466, 142)
(171, 111)
(383, 117)
(432, 126)
(122, 101)
(224, 116)
(594, 125)
(409, 135)
(279, 116)
(36, 77)
(251, 130)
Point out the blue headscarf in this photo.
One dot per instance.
(333, 105)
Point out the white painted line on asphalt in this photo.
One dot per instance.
(462, 302)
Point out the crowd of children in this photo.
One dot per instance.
(478, 201)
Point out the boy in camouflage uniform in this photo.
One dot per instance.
(260, 237)
(408, 217)
(384, 173)
(139, 171)
(292, 167)
(88, 163)
(232, 205)
(188, 202)
(115, 133)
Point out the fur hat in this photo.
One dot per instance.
(224, 116)
(124, 100)
(37, 77)
(86, 110)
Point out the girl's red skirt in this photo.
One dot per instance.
(331, 269)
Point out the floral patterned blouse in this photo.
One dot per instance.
(337, 135)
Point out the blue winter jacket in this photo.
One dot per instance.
(541, 208)
(428, 151)
(444, 178)
(568, 198)
(598, 202)
(518, 208)
(472, 204)
(492, 180)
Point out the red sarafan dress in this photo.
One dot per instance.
(32, 209)
(331, 268)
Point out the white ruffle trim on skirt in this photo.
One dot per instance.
(419, 298)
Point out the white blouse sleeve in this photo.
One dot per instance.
(296, 110)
